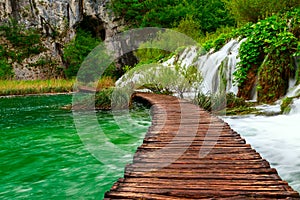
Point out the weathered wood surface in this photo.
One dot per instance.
(188, 153)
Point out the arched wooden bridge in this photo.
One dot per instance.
(190, 154)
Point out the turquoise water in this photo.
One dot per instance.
(42, 156)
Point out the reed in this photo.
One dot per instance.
(22, 87)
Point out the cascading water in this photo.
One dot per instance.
(276, 138)
(295, 107)
(216, 68)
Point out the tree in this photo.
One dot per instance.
(253, 10)
(76, 51)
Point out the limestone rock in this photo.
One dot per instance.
(58, 19)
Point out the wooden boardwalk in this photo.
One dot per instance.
(189, 154)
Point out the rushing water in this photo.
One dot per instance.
(42, 157)
(277, 139)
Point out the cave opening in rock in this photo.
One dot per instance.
(94, 25)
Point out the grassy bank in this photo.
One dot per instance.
(15, 87)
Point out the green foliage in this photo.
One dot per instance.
(164, 80)
(5, 70)
(285, 106)
(76, 51)
(218, 42)
(212, 102)
(121, 98)
(103, 99)
(189, 27)
(21, 43)
(161, 45)
(216, 39)
(25, 41)
(253, 10)
(221, 103)
(112, 71)
(208, 14)
(268, 52)
(298, 74)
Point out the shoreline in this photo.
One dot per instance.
(36, 94)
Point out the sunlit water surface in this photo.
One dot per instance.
(42, 156)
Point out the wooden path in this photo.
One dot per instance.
(189, 154)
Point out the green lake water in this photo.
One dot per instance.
(43, 157)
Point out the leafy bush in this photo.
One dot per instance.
(103, 99)
(209, 14)
(76, 51)
(217, 39)
(189, 27)
(221, 103)
(285, 106)
(253, 10)
(161, 46)
(5, 70)
(268, 53)
(25, 41)
(212, 102)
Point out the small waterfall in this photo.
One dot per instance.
(295, 107)
(216, 67)
(295, 92)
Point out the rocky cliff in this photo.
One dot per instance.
(57, 20)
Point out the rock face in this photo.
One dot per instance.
(58, 19)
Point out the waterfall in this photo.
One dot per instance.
(295, 92)
(216, 67)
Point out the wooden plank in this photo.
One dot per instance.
(168, 164)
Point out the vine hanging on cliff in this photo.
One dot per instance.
(277, 38)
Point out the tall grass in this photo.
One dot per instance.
(21, 87)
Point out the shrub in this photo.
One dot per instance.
(221, 103)
(189, 27)
(268, 54)
(105, 83)
(5, 70)
(285, 106)
(25, 41)
(208, 14)
(76, 51)
(161, 46)
(253, 10)
(103, 99)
